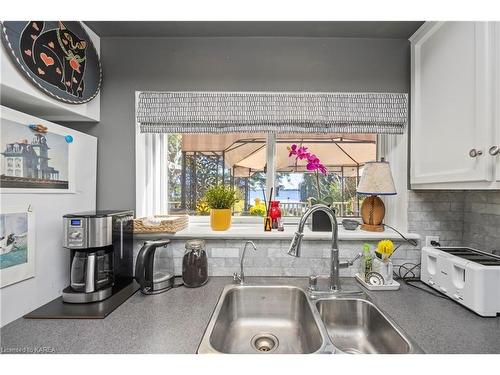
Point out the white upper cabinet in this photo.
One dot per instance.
(495, 149)
(454, 106)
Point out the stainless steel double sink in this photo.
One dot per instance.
(284, 320)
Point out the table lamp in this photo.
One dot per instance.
(376, 180)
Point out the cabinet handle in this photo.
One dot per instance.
(494, 150)
(474, 153)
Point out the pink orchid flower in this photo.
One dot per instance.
(299, 152)
(292, 150)
(302, 153)
(313, 162)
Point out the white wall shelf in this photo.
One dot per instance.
(18, 93)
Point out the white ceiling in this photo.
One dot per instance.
(329, 29)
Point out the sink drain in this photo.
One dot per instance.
(352, 351)
(265, 342)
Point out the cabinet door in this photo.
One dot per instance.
(451, 108)
(496, 95)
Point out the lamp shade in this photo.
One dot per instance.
(376, 179)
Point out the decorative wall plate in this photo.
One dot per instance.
(57, 56)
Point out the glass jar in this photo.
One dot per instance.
(195, 264)
(384, 268)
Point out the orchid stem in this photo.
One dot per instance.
(317, 185)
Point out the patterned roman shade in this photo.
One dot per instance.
(282, 112)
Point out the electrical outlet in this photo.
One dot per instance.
(429, 239)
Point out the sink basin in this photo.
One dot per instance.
(265, 319)
(356, 325)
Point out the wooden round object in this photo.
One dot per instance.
(372, 212)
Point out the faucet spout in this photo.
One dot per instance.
(240, 277)
(296, 243)
(294, 249)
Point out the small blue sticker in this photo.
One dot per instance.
(68, 138)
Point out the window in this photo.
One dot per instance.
(246, 160)
(199, 161)
(383, 113)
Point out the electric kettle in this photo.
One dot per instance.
(154, 275)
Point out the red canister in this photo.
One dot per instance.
(275, 213)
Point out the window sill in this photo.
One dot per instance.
(256, 232)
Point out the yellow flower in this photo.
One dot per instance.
(386, 248)
(202, 207)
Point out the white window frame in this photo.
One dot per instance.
(394, 149)
(152, 176)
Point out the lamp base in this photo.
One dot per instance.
(372, 228)
(372, 212)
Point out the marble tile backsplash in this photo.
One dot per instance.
(271, 258)
(437, 213)
(470, 218)
(482, 220)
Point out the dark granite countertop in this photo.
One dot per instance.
(174, 322)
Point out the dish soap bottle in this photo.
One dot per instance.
(366, 262)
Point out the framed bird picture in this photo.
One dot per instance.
(58, 57)
(17, 245)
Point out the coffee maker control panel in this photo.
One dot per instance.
(74, 233)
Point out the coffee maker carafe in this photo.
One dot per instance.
(92, 270)
(101, 254)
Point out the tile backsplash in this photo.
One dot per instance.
(457, 217)
(482, 220)
(437, 213)
(470, 218)
(271, 258)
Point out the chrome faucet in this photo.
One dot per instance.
(240, 277)
(335, 265)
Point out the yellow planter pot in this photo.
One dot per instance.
(220, 219)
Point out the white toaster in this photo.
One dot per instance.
(468, 276)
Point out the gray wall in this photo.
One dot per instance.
(310, 64)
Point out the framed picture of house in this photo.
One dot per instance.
(35, 155)
(17, 245)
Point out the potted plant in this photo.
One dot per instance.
(220, 199)
(320, 220)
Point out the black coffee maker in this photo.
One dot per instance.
(154, 271)
(101, 258)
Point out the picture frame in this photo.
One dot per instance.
(17, 244)
(20, 171)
